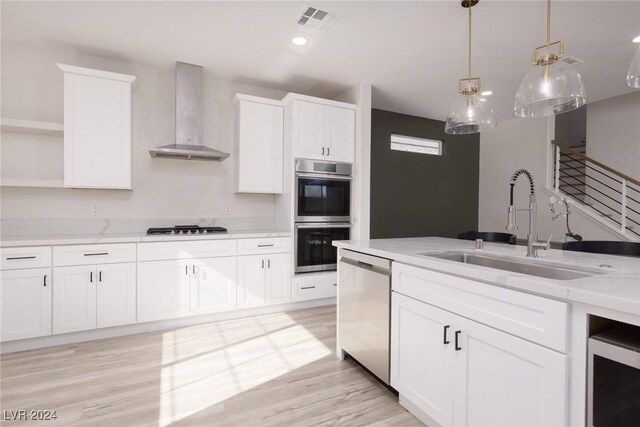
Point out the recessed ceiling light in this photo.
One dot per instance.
(487, 93)
(636, 39)
(299, 41)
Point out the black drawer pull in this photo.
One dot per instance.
(97, 253)
(308, 287)
(457, 346)
(100, 276)
(45, 280)
(20, 257)
(444, 339)
(265, 245)
(335, 284)
(91, 277)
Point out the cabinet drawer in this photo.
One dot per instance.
(93, 254)
(264, 246)
(531, 317)
(31, 257)
(186, 250)
(306, 288)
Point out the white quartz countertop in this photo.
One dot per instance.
(617, 287)
(87, 239)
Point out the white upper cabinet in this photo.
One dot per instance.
(259, 145)
(97, 128)
(342, 134)
(310, 130)
(322, 129)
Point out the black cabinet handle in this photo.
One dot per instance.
(265, 245)
(91, 277)
(186, 270)
(444, 339)
(323, 151)
(268, 263)
(307, 287)
(20, 257)
(262, 263)
(457, 346)
(193, 269)
(328, 151)
(45, 280)
(100, 276)
(97, 253)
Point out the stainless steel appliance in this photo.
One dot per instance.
(614, 377)
(313, 245)
(364, 305)
(189, 116)
(322, 191)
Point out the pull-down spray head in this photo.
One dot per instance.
(511, 210)
(511, 218)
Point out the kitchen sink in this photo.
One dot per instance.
(531, 268)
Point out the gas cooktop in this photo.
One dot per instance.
(186, 229)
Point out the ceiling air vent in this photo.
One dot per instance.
(316, 19)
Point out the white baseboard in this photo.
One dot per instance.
(417, 412)
(136, 328)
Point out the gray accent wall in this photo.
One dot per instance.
(415, 195)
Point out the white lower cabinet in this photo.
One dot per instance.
(116, 298)
(163, 290)
(421, 365)
(74, 298)
(213, 285)
(25, 304)
(178, 288)
(89, 296)
(263, 279)
(462, 373)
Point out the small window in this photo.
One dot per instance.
(416, 145)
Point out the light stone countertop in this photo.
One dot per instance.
(617, 288)
(88, 239)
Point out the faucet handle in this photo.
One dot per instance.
(544, 245)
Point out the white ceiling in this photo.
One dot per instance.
(413, 53)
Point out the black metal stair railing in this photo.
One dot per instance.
(612, 194)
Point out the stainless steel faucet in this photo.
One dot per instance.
(533, 245)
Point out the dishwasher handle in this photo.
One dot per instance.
(366, 266)
(367, 261)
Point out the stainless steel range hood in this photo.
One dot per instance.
(188, 144)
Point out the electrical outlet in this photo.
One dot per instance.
(95, 209)
(227, 210)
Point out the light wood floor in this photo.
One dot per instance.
(271, 370)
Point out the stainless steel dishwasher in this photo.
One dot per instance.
(364, 305)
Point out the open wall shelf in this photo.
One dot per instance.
(31, 127)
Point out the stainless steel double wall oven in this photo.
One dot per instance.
(322, 213)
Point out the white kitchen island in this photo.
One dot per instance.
(472, 345)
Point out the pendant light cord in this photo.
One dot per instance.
(469, 55)
(548, 24)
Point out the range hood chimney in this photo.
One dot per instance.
(188, 144)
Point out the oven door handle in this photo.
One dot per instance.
(323, 225)
(325, 177)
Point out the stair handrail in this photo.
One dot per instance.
(624, 181)
(595, 162)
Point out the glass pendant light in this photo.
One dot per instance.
(633, 75)
(470, 113)
(552, 86)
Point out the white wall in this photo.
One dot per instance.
(361, 187)
(613, 133)
(32, 89)
(522, 143)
